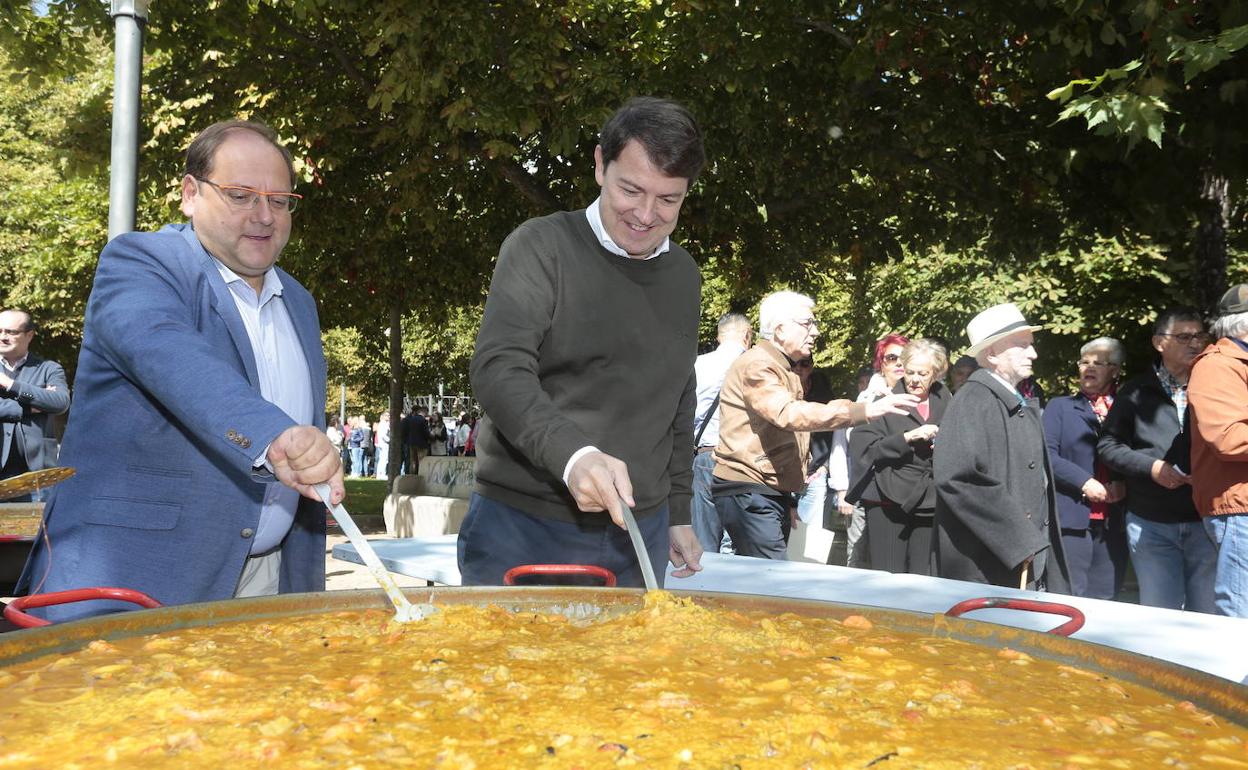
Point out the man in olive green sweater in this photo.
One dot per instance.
(584, 367)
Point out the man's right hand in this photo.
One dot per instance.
(1168, 475)
(893, 403)
(597, 481)
(302, 456)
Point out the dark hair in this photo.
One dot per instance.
(883, 343)
(1172, 315)
(664, 128)
(30, 321)
(203, 149)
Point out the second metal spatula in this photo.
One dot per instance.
(639, 545)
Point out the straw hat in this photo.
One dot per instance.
(995, 323)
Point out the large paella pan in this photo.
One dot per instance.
(559, 677)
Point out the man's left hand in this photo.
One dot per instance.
(685, 552)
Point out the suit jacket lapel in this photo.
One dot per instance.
(223, 304)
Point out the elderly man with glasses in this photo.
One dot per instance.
(31, 389)
(199, 424)
(1146, 441)
(765, 425)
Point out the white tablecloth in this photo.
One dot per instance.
(1206, 642)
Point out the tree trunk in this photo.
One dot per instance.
(1213, 216)
(394, 461)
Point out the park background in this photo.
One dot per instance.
(906, 163)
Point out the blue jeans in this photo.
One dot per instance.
(810, 504)
(1175, 563)
(706, 522)
(357, 461)
(1230, 587)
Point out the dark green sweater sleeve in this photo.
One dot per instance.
(504, 370)
(680, 469)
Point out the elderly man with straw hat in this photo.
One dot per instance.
(996, 519)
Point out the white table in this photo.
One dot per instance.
(1206, 642)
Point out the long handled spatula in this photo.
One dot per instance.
(404, 611)
(639, 545)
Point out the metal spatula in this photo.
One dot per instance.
(639, 545)
(404, 611)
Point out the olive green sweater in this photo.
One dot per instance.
(580, 347)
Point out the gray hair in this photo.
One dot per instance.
(924, 346)
(731, 322)
(1117, 354)
(1234, 325)
(778, 307)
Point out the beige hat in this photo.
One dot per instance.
(995, 323)
(1235, 300)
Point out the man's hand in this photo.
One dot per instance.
(6, 381)
(597, 482)
(302, 456)
(685, 552)
(1168, 475)
(1095, 491)
(893, 403)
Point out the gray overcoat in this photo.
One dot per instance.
(994, 491)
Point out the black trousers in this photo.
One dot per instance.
(1097, 557)
(758, 524)
(898, 541)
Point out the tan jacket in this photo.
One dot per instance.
(1218, 396)
(764, 425)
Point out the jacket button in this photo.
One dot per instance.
(248, 532)
(245, 442)
(231, 434)
(1032, 465)
(1027, 514)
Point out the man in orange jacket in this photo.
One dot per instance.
(1218, 395)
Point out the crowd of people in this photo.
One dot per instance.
(595, 402)
(977, 477)
(364, 445)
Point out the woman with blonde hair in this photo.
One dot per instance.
(899, 449)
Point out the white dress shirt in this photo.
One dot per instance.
(284, 382)
(710, 370)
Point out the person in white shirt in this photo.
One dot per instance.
(734, 335)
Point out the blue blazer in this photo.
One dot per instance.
(1071, 431)
(167, 423)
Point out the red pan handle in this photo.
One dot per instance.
(1027, 605)
(608, 577)
(13, 612)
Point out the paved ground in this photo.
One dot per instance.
(342, 575)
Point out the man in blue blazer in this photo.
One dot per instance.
(31, 389)
(199, 416)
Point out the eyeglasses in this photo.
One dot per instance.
(806, 323)
(1087, 364)
(245, 198)
(891, 358)
(1187, 338)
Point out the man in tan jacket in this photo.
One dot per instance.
(764, 428)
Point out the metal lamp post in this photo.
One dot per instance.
(129, 16)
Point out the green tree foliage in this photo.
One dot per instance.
(857, 149)
(53, 196)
